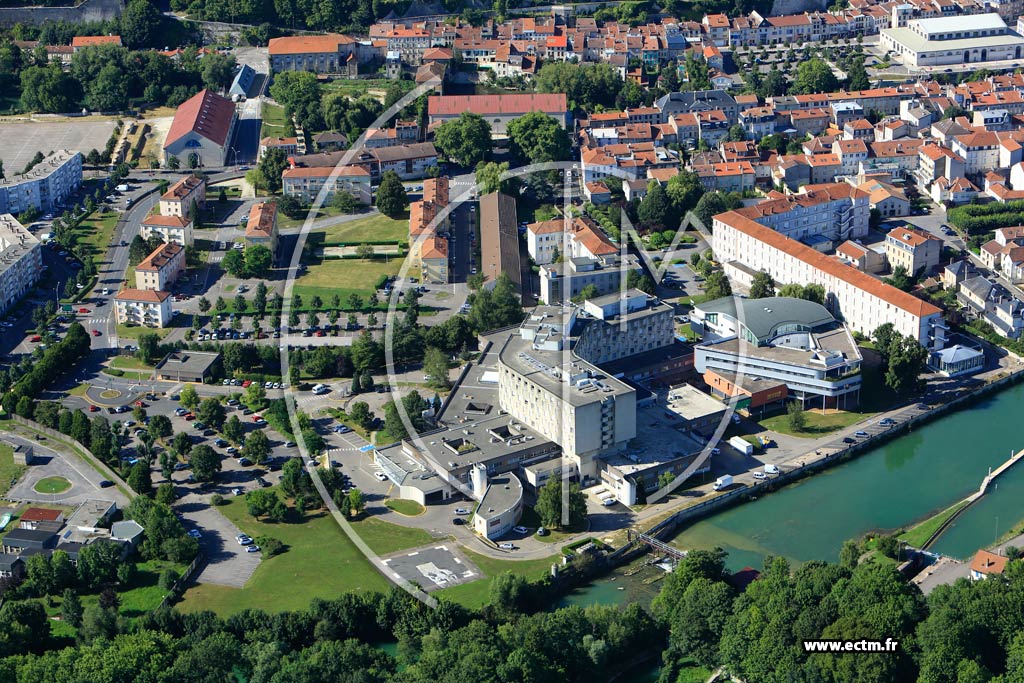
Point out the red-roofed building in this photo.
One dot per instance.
(202, 129)
(142, 307)
(434, 260)
(986, 564)
(169, 228)
(81, 42)
(499, 110)
(304, 183)
(915, 250)
(320, 54)
(745, 247)
(261, 227)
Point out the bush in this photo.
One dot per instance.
(269, 545)
(216, 499)
(168, 578)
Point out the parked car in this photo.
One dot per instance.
(506, 546)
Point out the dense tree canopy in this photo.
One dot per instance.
(537, 137)
(466, 140)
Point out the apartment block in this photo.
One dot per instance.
(21, 261)
(180, 197)
(916, 251)
(45, 187)
(746, 247)
(160, 269)
(262, 226)
(143, 307)
(168, 228)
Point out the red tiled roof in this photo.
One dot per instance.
(160, 257)
(166, 221)
(146, 295)
(299, 45)
(985, 562)
(182, 188)
(485, 105)
(40, 515)
(262, 218)
(828, 264)
(89, 41)
(323, 171)
(206, 113)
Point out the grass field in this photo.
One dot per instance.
(917, 535)
(51, 485)
(476, 593)
(273, 120)
(9, 472)
(817, 423)
(129, 363)
(319, 561)
(356, 88)
(384, 537)
(323, 212)
(375, 228)
(136, 331)
(409, 508)
(343, 277)
(96, 231)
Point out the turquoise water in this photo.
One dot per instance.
(894, 485)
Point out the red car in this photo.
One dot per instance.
(140, 404)
(246, 383)
(97, 333)
(257, 418)
(189, 417)
(83, 310)
(93, 409)
(36, 339)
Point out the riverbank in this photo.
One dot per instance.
(913, 472)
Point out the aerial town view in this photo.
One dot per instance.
(439, 341)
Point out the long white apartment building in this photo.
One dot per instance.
(45, 187)
(21, 261)
(745, 247)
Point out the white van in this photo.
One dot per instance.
(320, 389)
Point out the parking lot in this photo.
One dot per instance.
(433, 567)
(227, 562)
(23, 139)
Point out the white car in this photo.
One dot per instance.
(252, 549)
(461, 511)
(195, 533)
(106, 291)
(380, 476)
(245, 540)
(506, 546)
(608, 502)
(760, 476)
(520, 530)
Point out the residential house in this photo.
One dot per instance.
(142, 307)
(161, 268)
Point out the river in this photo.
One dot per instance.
(891, 486)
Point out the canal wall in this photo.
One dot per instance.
(88, 10)
(812, 463)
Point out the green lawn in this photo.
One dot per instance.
(385, 537)
(817, 423)
(96, 232)
(273, 120)
(409, 508)
(136, 331)
(325, 211)
(476, 593)
(917, 535)
(375, 228)
(343, 277)
(129, 363)
(51, 485)
(9, 472)
(319, 561)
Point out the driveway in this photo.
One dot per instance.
(227, 563)
(84, 479)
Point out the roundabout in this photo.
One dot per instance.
(52, 485)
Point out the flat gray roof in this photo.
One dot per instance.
(691, 403)
(187, 362)
(764, 316)
(918, 43)
(503, 492)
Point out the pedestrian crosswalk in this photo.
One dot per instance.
(98, 321)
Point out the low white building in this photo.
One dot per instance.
(943, 41)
